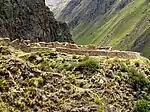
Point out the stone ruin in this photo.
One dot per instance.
(91, 50)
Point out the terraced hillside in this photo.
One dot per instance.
(49, 81)
(123, 24)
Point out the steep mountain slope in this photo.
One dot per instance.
(60, 6)
(52, 3)
(31, 20)
(123, 24)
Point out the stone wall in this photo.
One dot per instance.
(27, 46)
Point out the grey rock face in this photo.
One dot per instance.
(31, 19)
(83, 10)
(142, 44)
(87, 10)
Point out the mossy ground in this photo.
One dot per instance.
(52, 81)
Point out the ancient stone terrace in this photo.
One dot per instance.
(92, 50)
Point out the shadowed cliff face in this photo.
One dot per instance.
(31, 19)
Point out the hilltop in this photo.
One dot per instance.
(122, 24)
(48, 80)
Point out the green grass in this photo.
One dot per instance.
(117, 28)
(129, 22)
(142, 106)
(120, 25)
(74, 80)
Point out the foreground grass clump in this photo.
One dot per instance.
(142, 106)
(138, 80)
(52, 81)
(88, 65)
(45, 66)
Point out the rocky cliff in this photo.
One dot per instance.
(31, 19)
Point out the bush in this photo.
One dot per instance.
(123, 67)
(137, 79)
(88, 65)
(35, 58)
(72, 78)
(97, 100)
(142, 106)
(74, 57)
(4, 85)
(45, 66)
(36, 81)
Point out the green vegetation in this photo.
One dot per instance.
(142, 106)
(36, 81)
(138, 80)
(88, 65)
(52, 81)
(125, 28)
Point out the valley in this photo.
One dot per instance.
(74, 56)
(122, 24)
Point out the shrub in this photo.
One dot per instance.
(97, 100)
(72, 78)
(138, 79)
(89, 65)
(51, 55)
(3, 85)
(123, 67)
(4, 51)
(100, 109)
(137, 64)
(45, 66)
(142, 106)
(36, 81)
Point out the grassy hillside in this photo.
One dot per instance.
(118, 27)
(55, 81)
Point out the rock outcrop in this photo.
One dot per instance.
(32, 20)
